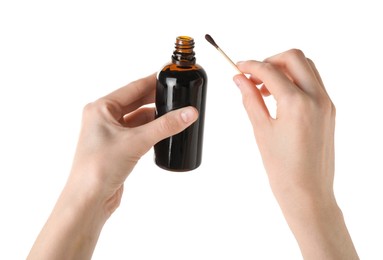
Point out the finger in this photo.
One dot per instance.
(295, 64)
(138, 103)
(264, 91)
(135, 94)
(252, 100)
(255, 80)
(138, 117)
(278, 84)
(262, 88)
(167, 125)
(316, 72)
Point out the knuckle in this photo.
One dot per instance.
(168, 123)
(101, 106)
(305, 105)
(295, 53)
(325, 104)
(89, 109)
(267, 67)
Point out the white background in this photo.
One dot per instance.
(57, 56)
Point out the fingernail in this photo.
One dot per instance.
(187, 114)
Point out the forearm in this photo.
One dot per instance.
(73, 228)
(319, 229)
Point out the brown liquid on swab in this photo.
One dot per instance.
(212, 42)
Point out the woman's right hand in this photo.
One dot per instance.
(297, 148)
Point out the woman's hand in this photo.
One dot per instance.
(116, 131)
(297, 149)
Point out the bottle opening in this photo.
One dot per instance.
(184, 44)
(184, 38)
(183, 54)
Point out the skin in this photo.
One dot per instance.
(116, 132)
(297, 149)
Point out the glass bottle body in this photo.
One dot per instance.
(179, 86)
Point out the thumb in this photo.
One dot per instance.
(169, 124)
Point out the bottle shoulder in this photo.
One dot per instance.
(175, 67)
(182, 73)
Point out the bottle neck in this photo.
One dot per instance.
(183, 54)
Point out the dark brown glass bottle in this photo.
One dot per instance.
(181, 83)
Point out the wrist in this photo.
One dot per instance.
(319, 228)
(303, 207)
(73, 228)
(307, 211)
(87, 191)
